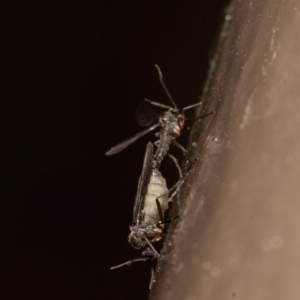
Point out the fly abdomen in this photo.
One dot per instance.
(156, 187)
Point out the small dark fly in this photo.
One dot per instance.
(151, 203)
(170, 121)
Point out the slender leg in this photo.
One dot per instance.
(156, 254)
(128, 263)
(176, 164)
(152, 279)
(180, 176)
(161, 215)
(158, 104)
(176, 144)
(176, 187)
(179, 183)
(167, 221)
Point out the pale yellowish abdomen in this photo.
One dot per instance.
(156, 187)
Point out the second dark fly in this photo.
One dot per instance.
(150, 205)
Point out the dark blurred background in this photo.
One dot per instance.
(74, 72)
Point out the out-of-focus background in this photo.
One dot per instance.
(74, 73)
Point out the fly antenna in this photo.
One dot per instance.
(198, 118)
(191, 106)
(200, 103)
(160, 76)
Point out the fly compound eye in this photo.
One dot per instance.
(136, 241)
(148, 253)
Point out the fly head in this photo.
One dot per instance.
(136, 239)
(175, 111)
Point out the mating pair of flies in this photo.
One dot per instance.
(152, 198)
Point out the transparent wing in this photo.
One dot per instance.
(143, 182)
(145, 114)
(119, 147)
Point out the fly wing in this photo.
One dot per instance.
(119, 147)
(145, 114)
(143, 182)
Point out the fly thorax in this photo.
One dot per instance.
(153, 233)
(155, 189)
(178, 126)
(172, 123)
(165, 119)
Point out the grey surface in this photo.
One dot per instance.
(238, 235)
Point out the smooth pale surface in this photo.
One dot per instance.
(238, 236)
(156, 187)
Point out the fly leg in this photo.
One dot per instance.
(189, 162)
(179, 183)
(161, 215)
(169, 191)
(128, 263)
(160, 212)
(152, 279)
(176, 184)
(157, 104)
(176, 144)
(176, 164)
(167, 221)
(176, 187)
(156, 254)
